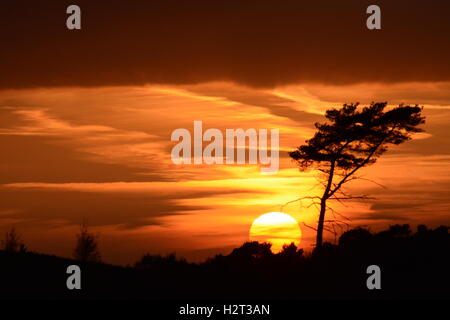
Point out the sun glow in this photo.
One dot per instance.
(277, 228)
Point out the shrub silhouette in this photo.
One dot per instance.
(252, 250)
(13, 242)
(86, 249)
(358, 236)
(290, 251)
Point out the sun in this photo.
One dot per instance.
(277, 228)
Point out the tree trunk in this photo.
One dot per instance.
(323, 206)
(319, 237)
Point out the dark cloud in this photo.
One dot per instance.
(438, 143)
(129, 209)
(264, 43)
(48, 159)
(276, 105)
(381, 217)
(433, 93)
(421, 201)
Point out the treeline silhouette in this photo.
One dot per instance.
(413, 265)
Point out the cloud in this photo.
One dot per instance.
(33, 158)
(117, 127)
(129, 205)
(269, 43)
(415, 190)
(381, 216)
(277, 105)
(423, 93)
(42, 147)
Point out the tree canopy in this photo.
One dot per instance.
(353, 138)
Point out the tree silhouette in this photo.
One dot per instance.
(290, 250)
(253, 249)
(86, 249)
(350, 140)
(358, 236)
(13, 242)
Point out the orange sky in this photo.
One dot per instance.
(86, 116)
(104, 154)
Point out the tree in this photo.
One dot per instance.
(86, 249)
(13, 242)
(253, 249)
(350, 140)
(355, 237)
(290, 250)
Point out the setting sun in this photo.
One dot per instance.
(277, 228)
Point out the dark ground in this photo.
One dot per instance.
(413, 265)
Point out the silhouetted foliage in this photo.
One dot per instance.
(396, 231)
(253, 249)
(13, 242)
(352, 139)
(86, 249)
(413, 265)
(291, 251)
(355, 236)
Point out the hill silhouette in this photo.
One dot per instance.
(413, 265)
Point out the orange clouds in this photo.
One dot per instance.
(104, 154)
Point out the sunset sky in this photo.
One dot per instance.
(86, 117)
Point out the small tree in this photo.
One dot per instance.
(13, 242)
(351, 140)
(290, 250)
(253, 249)
(86, 249)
